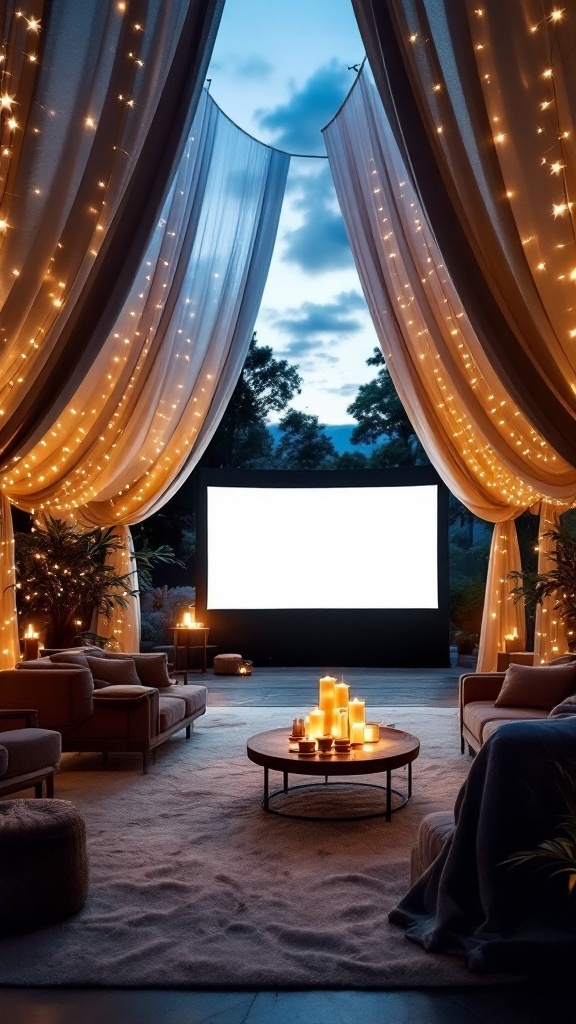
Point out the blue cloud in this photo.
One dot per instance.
(296, 125)
(345, 391)
(312, 319)
(254, 66)
(319, 243)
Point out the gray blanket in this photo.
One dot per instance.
(502, 918)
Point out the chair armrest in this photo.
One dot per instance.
(62, 696)
(118, 710)
(29, 717)
(478, 686)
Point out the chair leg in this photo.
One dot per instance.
(145, 761)
(38, 790)
(462, 745)
(471, 753)
(50, 786)
(188, 731)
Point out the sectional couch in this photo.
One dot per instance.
(100, 701)
(489, 699)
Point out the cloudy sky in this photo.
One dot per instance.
(280, 71)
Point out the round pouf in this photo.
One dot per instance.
(226, 664)
(43, 864)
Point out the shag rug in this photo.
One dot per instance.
(193, 885)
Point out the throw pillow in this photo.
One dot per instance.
(539, 686)
(152, 669)
(113, 673)
(70, 658)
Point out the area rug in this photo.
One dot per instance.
(194, 885)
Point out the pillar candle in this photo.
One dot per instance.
(356, 712)
(341, 695)
(326, 702)
(316, 723)
(357, 732)
(371, 732)
(341, 727)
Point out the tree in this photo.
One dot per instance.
(266, 385)
(304, 443)
(381, 417)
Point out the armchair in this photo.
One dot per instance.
(29, 756)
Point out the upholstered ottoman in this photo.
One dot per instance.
(435, 829)
(43, 864)
(226, 664)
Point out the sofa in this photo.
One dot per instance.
(489, 699)
(106, 702)
(29, 756)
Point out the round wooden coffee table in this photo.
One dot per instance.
(395, 749)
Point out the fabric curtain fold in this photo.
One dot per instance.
(487, 451)
(488, 131)
(149, 404)
(550, 636)
(101, 96)
(502, 616)
(122, 625)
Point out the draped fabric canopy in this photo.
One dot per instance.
(484, 447)
(166, 353)
(97, 102)
(485, 101)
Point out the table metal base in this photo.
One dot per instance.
(386, 813)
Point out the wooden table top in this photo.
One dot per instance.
(273, 749)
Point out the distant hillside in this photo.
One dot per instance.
(340, 435)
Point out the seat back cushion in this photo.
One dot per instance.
(152, 669)
(77, 656)
(113, 673)
(539, 686)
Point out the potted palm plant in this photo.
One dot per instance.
(62, 578)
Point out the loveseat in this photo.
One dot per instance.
(489, 699)
(100, 701)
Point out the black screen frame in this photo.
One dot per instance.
(337, 637)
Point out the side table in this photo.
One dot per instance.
(190, 637)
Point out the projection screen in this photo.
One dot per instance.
(310, 547)
(329, 568)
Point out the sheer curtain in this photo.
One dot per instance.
(97, 101)
(485, 101)
(485, 448)
(152, 399)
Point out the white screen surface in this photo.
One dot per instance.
(335, 547)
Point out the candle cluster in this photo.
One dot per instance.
(337, 717)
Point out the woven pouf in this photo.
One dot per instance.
(434, 832)
(43, 864)
(226, 664)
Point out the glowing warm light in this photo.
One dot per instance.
(557, 14)
(90, 122)
(12, 123)
(6, 101)
(556, 167)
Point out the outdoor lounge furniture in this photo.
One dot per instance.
(29, 756)
(101, 703)
(532, 693)
(43, 864)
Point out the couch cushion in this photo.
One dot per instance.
(121, 692)
(567, 707)
(476, 714)
(194, 697)
(3, 760)
(152, 669)
(30, 749)
(113, 673)
(539, 686)
(77, 655)
(38, 663)
(171, 712)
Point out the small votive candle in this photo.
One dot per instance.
(371, 732)
(356, 733)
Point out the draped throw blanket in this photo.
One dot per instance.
(468, 902)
